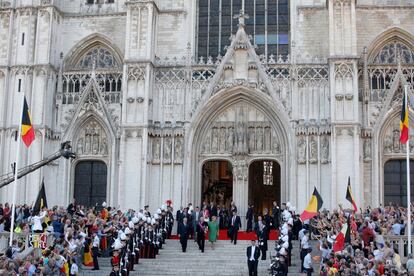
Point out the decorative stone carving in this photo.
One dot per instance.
(230, 139)
(214, 138)
(240, 169)
(367, 150)
(302, 150)
(92, 140)
(252, 139)
(324, 149)
(206, 144)
(167, 150)
(259, 139)
(241, 143)
(276, 146)
(313, 150)
(387, 144)
(396, 146)
(267, 139)
(156, 150)
(178, 150)
(222, 139)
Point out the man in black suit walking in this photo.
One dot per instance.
(235, 225)
(184, 233)
(253, 254)
(201, 230)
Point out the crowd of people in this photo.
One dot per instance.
(82, 234)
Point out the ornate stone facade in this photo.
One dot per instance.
(136, 96)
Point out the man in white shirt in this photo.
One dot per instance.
(304, 245)
(95, 250)
(253, 254)
(307, 263)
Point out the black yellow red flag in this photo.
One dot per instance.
(315, 203)
(349, 195)
(28, 133)
(41, 198)
(404, 121)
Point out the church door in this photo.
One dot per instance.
(217, 181)
(90, 183)
(264, 185)
(395, 182)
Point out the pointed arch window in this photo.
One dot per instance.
(98, 57)
(389, 52)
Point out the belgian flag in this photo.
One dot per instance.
(404, 121)
(314, 205)
(28, 133)
(349, 195)
(41, 198)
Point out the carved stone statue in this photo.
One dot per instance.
(252, 139)
(214, 140)
(104, 147)
(276, 146)
(396, 141)
(87, 144)
(178, 150)
(79, 147)
(301, 150)
(367, 149)
(230, 139)
(206, 144)
(324, 150)
(167, 150)
(241, 144)
(95, 143)
(387, 144)
(313, 150)
(267, 139)
(156, 146)
(222, 139)
(259, 139)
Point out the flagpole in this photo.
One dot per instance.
(408, 176)
(16, 168)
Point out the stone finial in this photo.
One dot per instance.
(241, 16)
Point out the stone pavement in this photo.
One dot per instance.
(226, 259)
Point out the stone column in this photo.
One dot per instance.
(241, 184)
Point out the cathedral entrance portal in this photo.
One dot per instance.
(264, 184)
(217, 183)
(90, 183)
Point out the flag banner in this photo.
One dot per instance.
(28, 133)
(313, 207)
(41, 198)
(343, 237)
(349, 195)
(404, 122)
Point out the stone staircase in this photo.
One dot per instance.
(225, 259)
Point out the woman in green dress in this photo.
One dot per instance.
(213, 231)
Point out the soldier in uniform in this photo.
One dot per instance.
(115, 260)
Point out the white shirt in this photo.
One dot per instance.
(37, 222)
(252, 253)
(304, 242)
(95, 241)
(74, 269)
(307, 261)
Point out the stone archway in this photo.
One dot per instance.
(239, 125)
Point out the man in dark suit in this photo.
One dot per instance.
(201, 230)
(249, 218)
(235, 225)
(276, 215)
(213, 210)
(184, 233)
(195, 218)
(253, 254)
(179, 218)
(262, 235)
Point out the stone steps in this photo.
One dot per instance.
(225, 260)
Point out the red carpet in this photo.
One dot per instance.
(242, 235)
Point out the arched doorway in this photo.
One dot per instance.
(395, 182)
(264, 184)
(217, 183)
(90, 182)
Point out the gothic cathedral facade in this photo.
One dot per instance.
(208, 100)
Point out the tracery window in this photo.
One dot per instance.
(388, 53)
(268, 24)
(100, 57)
(267, 173)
